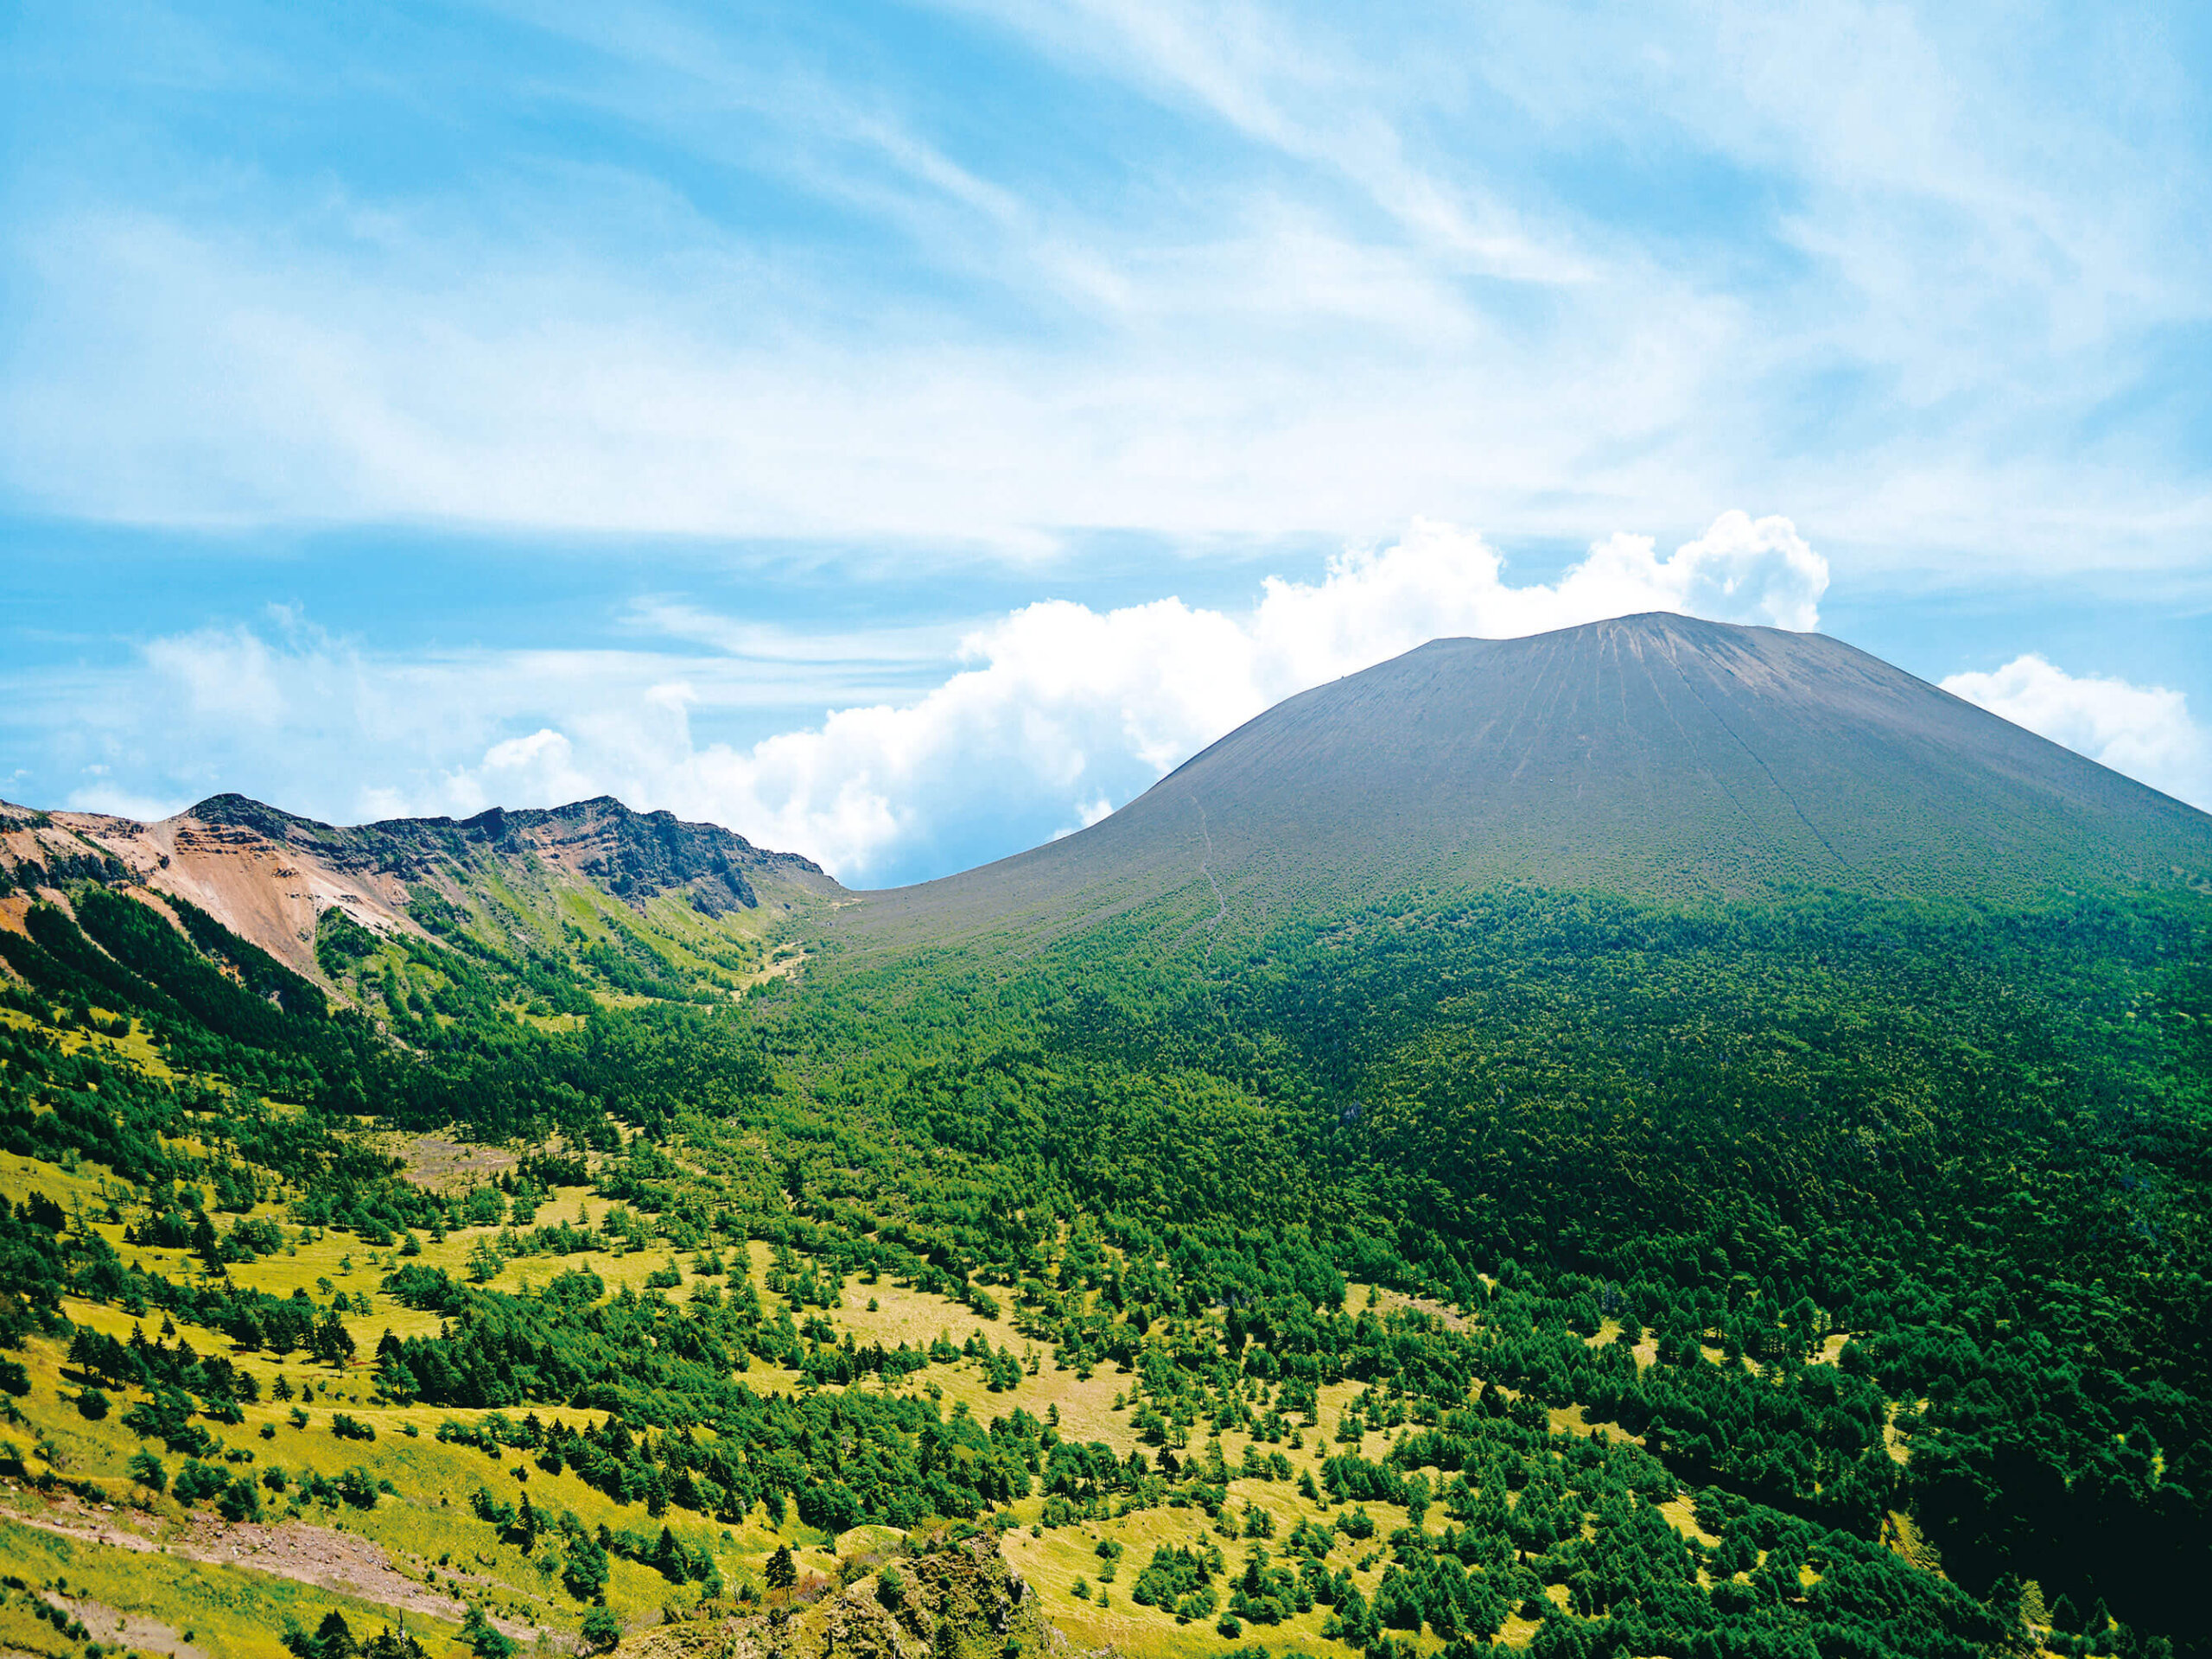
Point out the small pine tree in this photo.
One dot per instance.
(668, 1558)
(486, 1640)
(783, 1571)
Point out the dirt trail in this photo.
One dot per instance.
(329, 1560)
(83, 1525)
(1221, 903)
(316, 1555)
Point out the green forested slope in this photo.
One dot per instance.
(1872, 1230)
(1978, 1142)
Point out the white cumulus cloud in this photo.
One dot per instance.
(2144, 731)
(1062, 709)
(1039, 722)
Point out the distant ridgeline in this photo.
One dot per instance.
(635, 855)
(1737, 1046)
(449, 946)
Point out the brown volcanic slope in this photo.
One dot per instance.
(1657, 755)
(268, 875)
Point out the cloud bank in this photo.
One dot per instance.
(1053, 713)
(1064, 708)
(2144, 731)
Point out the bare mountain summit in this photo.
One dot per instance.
(1657, 755)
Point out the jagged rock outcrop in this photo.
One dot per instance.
(955, 1600)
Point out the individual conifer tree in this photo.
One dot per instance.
(783, 1571)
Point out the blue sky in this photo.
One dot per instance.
(902, 431)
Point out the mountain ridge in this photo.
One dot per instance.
(504, 877)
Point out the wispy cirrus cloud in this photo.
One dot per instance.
(1029, 269)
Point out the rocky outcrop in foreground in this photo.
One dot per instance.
(954, 1600)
